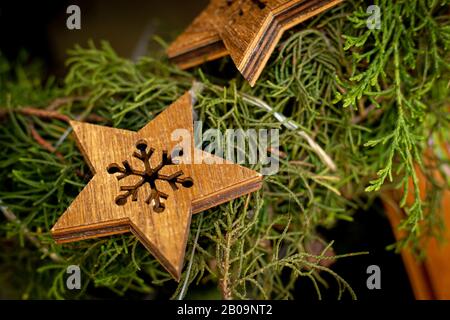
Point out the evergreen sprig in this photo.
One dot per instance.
(395, 70)
(372, 100)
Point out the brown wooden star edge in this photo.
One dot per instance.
(194, 48)
(72, 226)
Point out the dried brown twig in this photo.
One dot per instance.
(44, 143)
(55, 104)
(50, 111)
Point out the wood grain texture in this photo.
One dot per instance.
(163, 231)
(430, 279)
(417, 273)
(247, 30)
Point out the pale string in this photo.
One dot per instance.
(188, 271)
(290, 124)
(197, 88)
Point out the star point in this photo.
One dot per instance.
(138, 186)
(247, 30)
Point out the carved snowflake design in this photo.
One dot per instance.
(148, 176)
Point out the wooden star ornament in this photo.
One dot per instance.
(143, 183)
(247, 30)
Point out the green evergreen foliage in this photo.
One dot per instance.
(373, 100)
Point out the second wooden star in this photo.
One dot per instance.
(247, 30)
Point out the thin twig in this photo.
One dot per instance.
(290, 124)
(224, 282)
(293, 126)
(50, 111)
(50, 114)
(55, 104)
(365, 112)
(95, 118)
(188, 272)
(10, 216)
(42, 113)
(44, 143)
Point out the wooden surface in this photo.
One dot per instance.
(247, 30)
(103, 208)
(430, 279)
